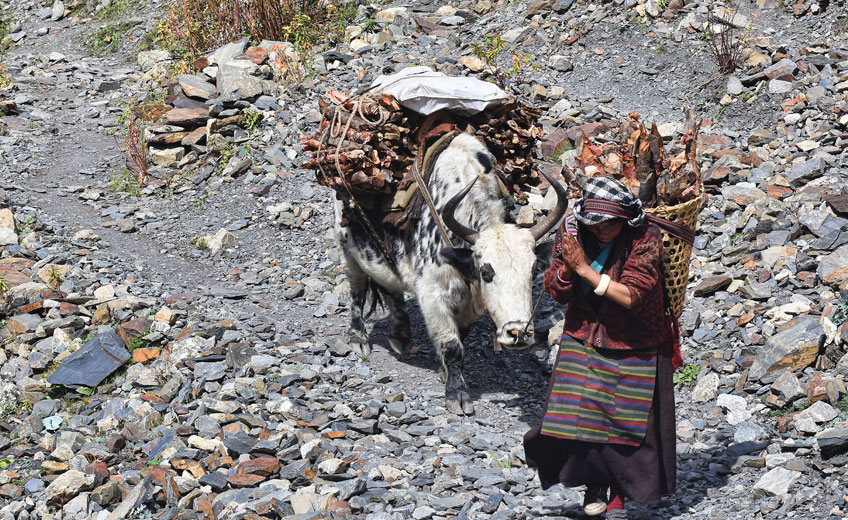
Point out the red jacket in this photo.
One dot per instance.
(636, 262)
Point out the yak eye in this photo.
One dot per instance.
(487, 273)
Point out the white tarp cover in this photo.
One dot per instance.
(425, 91)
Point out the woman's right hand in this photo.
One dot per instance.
(557, 271)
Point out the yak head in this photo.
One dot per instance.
(504, 259)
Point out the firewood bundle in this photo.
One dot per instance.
(639, 161)
(365, 145)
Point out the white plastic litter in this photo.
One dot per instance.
(425, 91)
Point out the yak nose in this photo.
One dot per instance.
(518, 333)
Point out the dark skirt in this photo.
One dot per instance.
(644, 473)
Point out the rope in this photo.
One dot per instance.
(351, 199)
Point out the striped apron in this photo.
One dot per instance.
(600, 398)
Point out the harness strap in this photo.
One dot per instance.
(614, 209)
(429, 157)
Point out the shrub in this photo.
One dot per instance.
(194, 27)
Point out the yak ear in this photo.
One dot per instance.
(544, 256)
(461, 258)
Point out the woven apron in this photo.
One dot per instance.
(600, 398)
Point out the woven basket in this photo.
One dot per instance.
(676, 252)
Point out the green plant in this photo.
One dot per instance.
(223, 158)
(841, 314)
(840, 25)
(107, 38)
(116, 9)
(661, 49)
(492, 46)
(199, 202)
(341, 15)
(503, 465)
(727, 44)
(370, 25)
(199, 243)
(797, 406)
(126, 182)
(5, 461)
(720, 112)
(4, 287)
(154, 462)
(365, 358)
(687, 375)
(251, 120)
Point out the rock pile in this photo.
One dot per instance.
(209, 115)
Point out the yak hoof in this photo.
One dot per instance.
(400, 346)
(459, 404)
(360, 343)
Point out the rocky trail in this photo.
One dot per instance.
(241, 399)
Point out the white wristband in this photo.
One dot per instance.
(603, 285)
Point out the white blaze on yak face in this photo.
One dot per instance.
(505, 257)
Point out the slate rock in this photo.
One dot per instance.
(833, 268)
(833, 441)
(777, 482)
(92, 363)
(67, 486)
(804, 172)
(735, 407)
(791, 349)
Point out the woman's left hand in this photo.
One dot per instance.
(572, 253)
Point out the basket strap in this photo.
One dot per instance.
(674, 229)
(615, 209)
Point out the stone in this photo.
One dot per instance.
(168, 157)
(138, 495)
(8, 237)
(788, 388)
(712, 284)
(219, 241)
(749, 432)
(186, 117)
(196, 86)
(735, 407)
(805, 171)
(777, 86)
(236, 80)
(67, 486)
(734, 86)
(791, 349)
(820, 412)
(148, 59)
(58, 11)
(777, 482)
(833, 267)
(706, 389)
(472, 63)
(166, 316)
(833, 441)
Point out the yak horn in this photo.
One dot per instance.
(466, 233)
(543, 226)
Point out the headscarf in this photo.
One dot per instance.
(604, 198)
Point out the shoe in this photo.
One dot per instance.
(617, 514)
(595, 500)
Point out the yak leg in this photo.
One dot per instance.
(400, 333)
(358, 338)
(443, 330)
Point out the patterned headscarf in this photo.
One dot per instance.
(604, 198)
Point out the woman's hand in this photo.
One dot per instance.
(572, 254)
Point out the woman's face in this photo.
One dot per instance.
(606, 231)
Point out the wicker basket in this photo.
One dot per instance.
(676, 252)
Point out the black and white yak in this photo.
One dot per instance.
(453, 285)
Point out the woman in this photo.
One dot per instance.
(609, 421)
